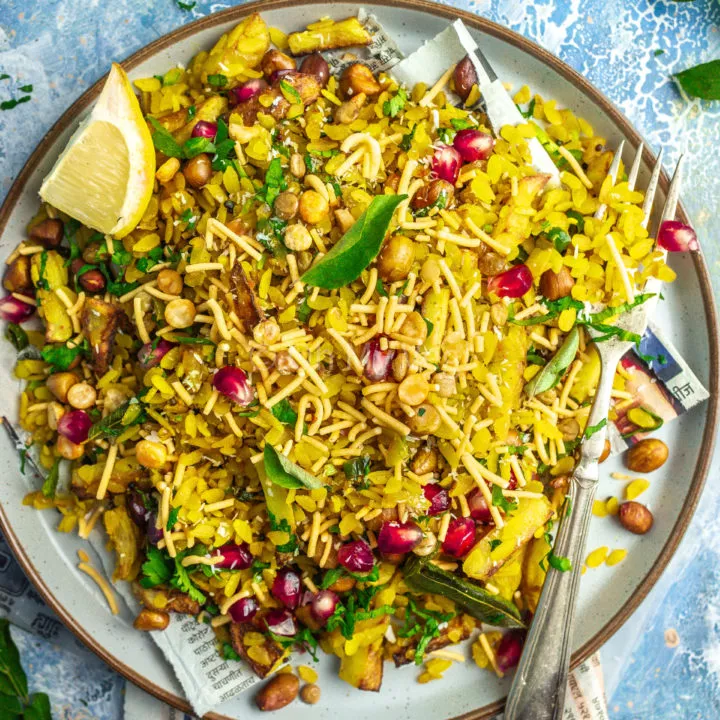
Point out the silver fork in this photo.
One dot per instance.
(538, 690)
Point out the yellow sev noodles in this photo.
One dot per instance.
(305, 354)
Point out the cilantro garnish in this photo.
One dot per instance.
(394, 105)
(172, 518)
(17, 336)
(592, 429)
(155, 569)
(60, 357)
(357, 469)
(217, 80)
(422, 622)
(499, 500)
(49, 486)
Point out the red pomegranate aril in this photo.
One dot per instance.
(14, 310)
(205, 129)
(234, 557)
(473, 145)
(232, 382)
(356, 556)
(509, 649)
(244, 610)
(445, 163)
(149, 356)
(438, 498)
(136, 509)
(479, 509)
(324, 604)
(246, 91)
(674, 236)
(281, 622)
(287, 588)
(512, 283)
(377, 362)
(512, 482)
(460, 537)
(397, 538)
(75, 426)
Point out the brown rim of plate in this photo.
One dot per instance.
(518, 41)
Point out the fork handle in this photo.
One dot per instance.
(538, 691)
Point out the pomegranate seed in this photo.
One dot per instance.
(674, 236)
(460, 537)
(396, 538)
(205, 129)
(232, 382)
(75, 426)
(281, 622)
(445, 163)
(287, 588)
(136, 509)
(512, 283)
(473, 145)
(438, 498)
(324, 604)
(356, 556)
(512, 482)
(234, 557)
(377, 362)
(244, 610)
(509, 649)
(149, 356)
(14, 310)
(246, 91)
(479, 508)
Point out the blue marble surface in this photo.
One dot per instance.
(62, 47)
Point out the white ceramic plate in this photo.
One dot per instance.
(608, 595)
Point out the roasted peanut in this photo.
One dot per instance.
(48, 233)
(349, 111)
(425, 421)
(556, 285)
(447, 386)
(266, 332)
(635, 517)
(197, 170)
(17, 276)
(414, 327)
(274, 60)
(286, 363)
(297, 165)
(92, 253)
(68, 449)
(310, 694)
(169, 281)
(413, 390)
(489, 262)
(400, 366)
(429, 194)
(180, 313)
(647, 455)
(297, 237)
(59, 384)
(427, 544)
(81, 396)
(464, 77)
(286, 205)
(570, 428)
(499, 314)
(425, 461)
(396, 258)
(54, 413)
(151, 454)
(358, 78)
(148, 620)
(313, 208)
(316, 66)
(278, 692)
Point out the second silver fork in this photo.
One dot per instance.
(538, 690)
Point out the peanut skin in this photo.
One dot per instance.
(151, 620)
(278, 692)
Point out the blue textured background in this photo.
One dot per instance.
(62, 47)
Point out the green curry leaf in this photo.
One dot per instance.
(550, 374)
(285, 473)
(357, 248)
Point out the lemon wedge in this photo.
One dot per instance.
(104, 177)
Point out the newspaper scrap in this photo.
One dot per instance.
(662, 385)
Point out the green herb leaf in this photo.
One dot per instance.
(49, 486)
(196, 145)
(256, 569)
(17, 336)
(284, 412)
(551, 373)
(559, 238)
(60, 357)
(499, 500)
(495, 543)
(381, 291)
(217, 80)
(395, 104)
(559, 562)
(181, 580)
(187, 340)
(13, 681)
(155, 569)
(579, 225)
(461, 123)
(290, 93)
(701, 81)
(357, 248)
(187, 6)
(130, 413)
(172, 518)
(357, 469)
(331, 577)
(592, 429)
(228, 653)
(164, 141)
(423, 577)
(285, 473)
(530, 109)
(407, 139)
